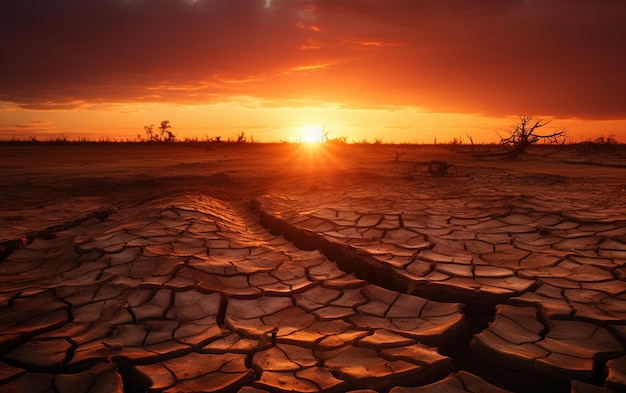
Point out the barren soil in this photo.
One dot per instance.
(278, 267)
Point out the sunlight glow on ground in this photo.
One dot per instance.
(312, 134)
(310, 158)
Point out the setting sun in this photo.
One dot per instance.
(312, 134)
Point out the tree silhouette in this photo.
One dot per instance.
(165, 126)
(524, 134)
(164, 134)
(325, 133)
(150, 135)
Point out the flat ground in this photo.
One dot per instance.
(210, 267)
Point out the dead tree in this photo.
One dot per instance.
(325, 133)
(150, 135)
(524, 134)
(164, 128)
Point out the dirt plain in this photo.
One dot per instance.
(278, 267)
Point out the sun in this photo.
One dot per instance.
(312, 134)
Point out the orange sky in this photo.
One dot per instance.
(396, 70)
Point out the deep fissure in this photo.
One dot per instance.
(479, 310)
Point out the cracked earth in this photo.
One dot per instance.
(278, 268)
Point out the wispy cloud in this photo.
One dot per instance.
(33, 129)
(37, 125)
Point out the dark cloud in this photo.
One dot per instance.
(127, 49)
(498, 57)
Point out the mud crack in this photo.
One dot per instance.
(7, 247)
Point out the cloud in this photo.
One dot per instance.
(37, 125)
(118, 49)
(33, 127)
(557, 57)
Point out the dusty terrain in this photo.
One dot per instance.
(260, 267)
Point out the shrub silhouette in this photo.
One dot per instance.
(164, 134)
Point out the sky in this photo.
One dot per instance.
(393, 70)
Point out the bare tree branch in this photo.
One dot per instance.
(523, 134)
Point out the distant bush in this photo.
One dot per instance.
(340, 140)
(607, 145)
(163, 134)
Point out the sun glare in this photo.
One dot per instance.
(312, 134)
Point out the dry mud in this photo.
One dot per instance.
(252, 268)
